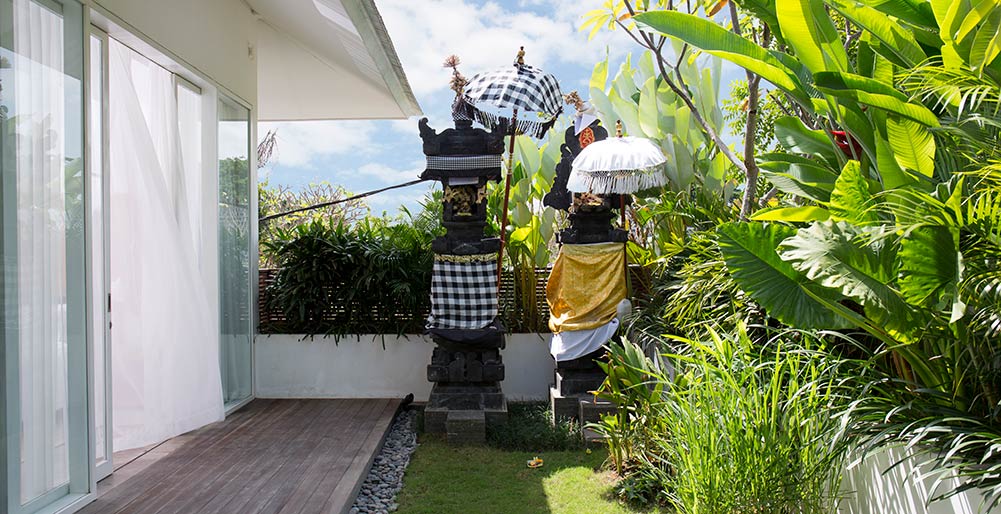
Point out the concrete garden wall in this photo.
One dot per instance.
(901, 490)
(286, 366)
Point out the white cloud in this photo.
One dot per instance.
(488, 36)
(300, 144)
(389, 175)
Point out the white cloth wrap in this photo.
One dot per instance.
(574, 344)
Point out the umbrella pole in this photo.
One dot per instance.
(507, 193)
(625, 246)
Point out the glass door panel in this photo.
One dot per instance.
(43, 213)
(236, 323)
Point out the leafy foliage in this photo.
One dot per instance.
(886, 217)
(376, 266)
(273, 200)
(530, 428)
(731, 411)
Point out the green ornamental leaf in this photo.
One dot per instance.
(795, 137)
(873, 93)
(851, 200)
(716, 40)
(628, 112)
(808, 29)
(912, 144)
(897, 42)
(749, 250)
(931, 269)
(793, 214)
(852, 260)
(890, 172)
(527, 153)
(599, 75)
(649, 114)
(798, 175)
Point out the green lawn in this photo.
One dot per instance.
(469, 480)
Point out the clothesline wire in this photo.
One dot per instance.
(334, 202)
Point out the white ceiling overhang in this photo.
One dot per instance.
(327, 60)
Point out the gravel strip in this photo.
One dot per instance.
(384, 481)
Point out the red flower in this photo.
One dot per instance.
(848, 144)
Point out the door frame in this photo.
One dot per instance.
(102, 467)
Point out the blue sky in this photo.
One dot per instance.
(370, 154)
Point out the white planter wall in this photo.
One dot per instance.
(901, 490)
(286, 366)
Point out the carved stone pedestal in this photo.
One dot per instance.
(572, 397)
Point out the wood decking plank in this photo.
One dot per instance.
(263, 471)
(272, 498)
(234, 495)
(232, 458)
(116, 499)
(340, 443)
(348, 484)
(192, 458)
(288, 456)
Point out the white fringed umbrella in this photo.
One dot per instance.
(618, 165)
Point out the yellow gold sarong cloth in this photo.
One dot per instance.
(585, 286)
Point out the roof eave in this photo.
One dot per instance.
(368, 22)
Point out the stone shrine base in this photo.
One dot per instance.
(463, 412)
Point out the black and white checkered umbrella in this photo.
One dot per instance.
(524, 88)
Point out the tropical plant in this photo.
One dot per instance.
(891, 217)
(372, 277)
(735, 425)
(272, 200)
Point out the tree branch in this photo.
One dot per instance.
(751, 127)
(686, 98)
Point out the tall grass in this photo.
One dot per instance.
(738, 427)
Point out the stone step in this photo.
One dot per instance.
(466, 427)
(593, 437)
(591, 409)
(563, 407)
(569, 382)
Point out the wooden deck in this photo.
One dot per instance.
(272, 456)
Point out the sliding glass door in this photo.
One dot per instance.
(236, 320)
(42, 212)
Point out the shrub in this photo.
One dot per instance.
(735, 427)
(530, 428)
(374, 277)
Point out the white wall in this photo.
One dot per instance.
(286, 366)
(212, 36)
(901, 490)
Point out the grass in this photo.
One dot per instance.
(443, 479)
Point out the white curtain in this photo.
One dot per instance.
(39, 111)
(165, 310)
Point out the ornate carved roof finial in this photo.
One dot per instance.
(618, 128)
(572, 98)
(458, 81)
(520, 59)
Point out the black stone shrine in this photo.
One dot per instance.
(590, 219)
(466, 365)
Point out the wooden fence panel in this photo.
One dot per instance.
(520, 313)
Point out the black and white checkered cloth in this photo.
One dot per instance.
(462, 162)
(524, 87)
(463, 294)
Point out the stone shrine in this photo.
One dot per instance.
(466, 366)
(590, 218)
